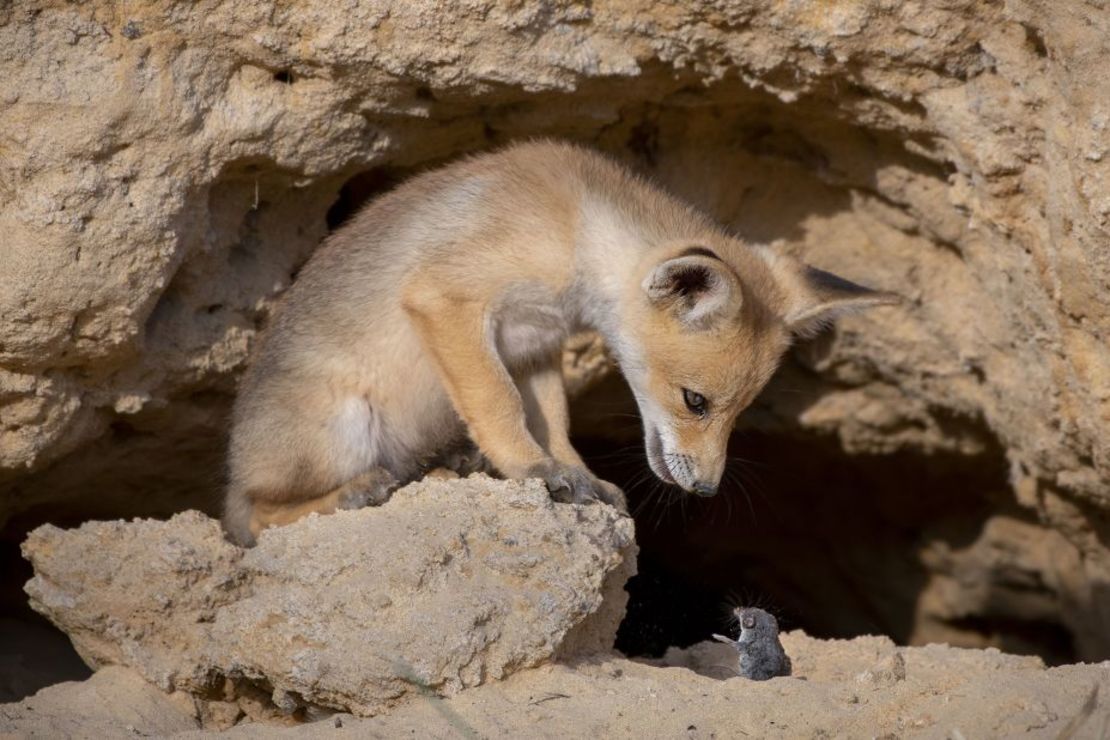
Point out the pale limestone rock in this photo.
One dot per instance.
(447, 586)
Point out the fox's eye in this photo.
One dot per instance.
(694, 401)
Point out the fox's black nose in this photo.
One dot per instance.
(705, 489)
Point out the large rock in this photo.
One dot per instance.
(166, 167)
(447, 586)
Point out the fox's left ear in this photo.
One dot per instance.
(699, 289)
(814, 298)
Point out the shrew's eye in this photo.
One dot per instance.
(694, 401)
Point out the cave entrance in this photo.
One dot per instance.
(829, 542)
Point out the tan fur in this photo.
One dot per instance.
(437, 313)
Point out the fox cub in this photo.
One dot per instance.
(438, 313)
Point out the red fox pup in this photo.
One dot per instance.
(437, 315)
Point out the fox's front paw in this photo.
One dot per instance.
(570, 484)
(612, 495)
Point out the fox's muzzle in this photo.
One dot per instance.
(678, 469)
(705, 489)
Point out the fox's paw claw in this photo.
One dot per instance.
(574, 485)
(465, 460)
(371, 489)
(612, 495)
(357, 500)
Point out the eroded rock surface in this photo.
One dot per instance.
(447, 586)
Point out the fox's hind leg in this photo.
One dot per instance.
(288, 460)
(247, 513)
(372, 488)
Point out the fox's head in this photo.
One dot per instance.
(708, 326)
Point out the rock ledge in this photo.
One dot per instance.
(449, 585)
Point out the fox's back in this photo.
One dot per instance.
(343, 315)
(352, 283)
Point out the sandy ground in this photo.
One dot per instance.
(864, 687)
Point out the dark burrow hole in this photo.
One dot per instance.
(360, 190)
(828, 542)
(33, 653)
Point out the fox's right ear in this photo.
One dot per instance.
(698, 289)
